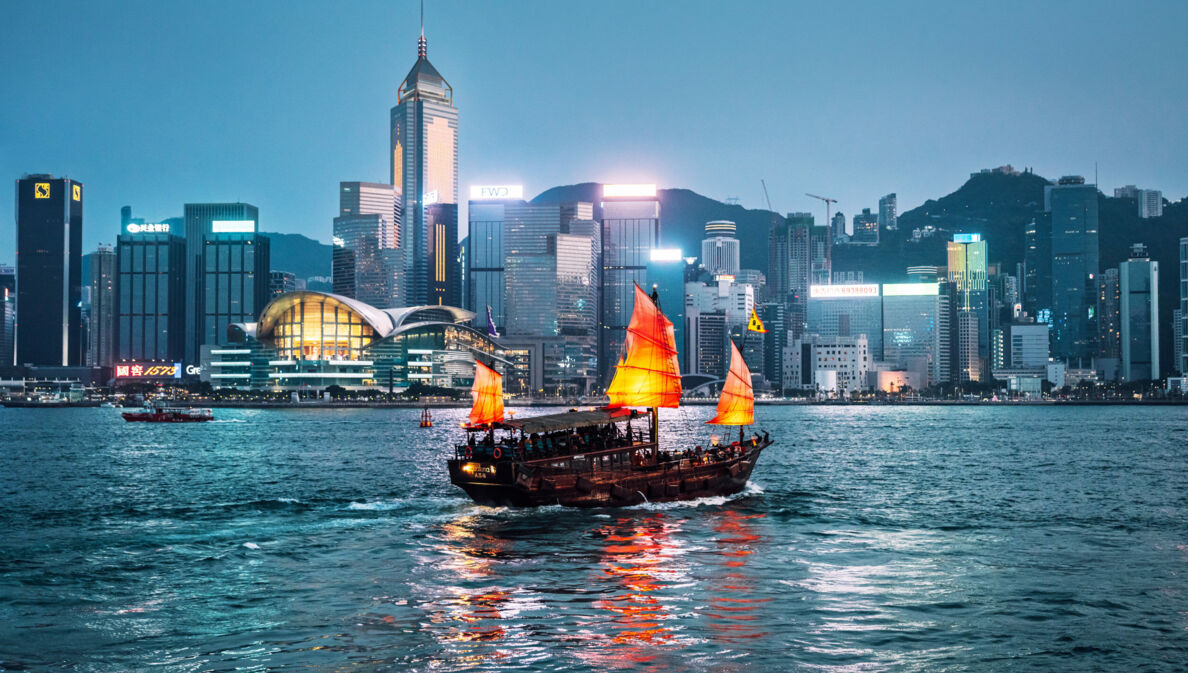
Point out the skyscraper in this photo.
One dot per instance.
(445, 278)
(7, 315)
(1150, 203)
(838, 227)
(847, 311)
(49, 215)
(281, 282)
(151, 311)
(1140, 315)
(889, 212)
(366, 262)
(720, 248)
(202, 221)
(1183, 364)
(1109, 315)
(101, 321)
(916, 329)
(424, 134)
(630, 229)
(1073, 207)
(968, 272)
(1037, 264)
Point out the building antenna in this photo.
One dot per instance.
(422, 18)
(422, 46)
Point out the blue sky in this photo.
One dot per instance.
(154, 104)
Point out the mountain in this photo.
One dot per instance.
(996, 205)
(299, 255)
(683, 214)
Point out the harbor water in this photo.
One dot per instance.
(871, 539)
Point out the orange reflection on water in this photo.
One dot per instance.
(733, 613)
(638, 561)
(473, 618)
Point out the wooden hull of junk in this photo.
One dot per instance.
(585, 480)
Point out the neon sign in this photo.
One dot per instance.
(496, 192)
(966, 238)
(137, 228)
(233, 226)
(843, 291)
(148, 370)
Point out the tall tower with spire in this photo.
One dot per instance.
(425, 170)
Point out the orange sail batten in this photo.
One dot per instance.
(488, 396)
(736, 406)
(648, 375)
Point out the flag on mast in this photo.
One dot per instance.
(491, 331)
(756, 325)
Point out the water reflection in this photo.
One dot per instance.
(471, 618)
(640, 563)
(733, 607)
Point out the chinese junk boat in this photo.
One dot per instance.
(613, 455)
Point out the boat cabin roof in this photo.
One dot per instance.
(568, 419)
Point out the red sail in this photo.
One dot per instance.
(648, 376)
(736, 406)
(488, 396)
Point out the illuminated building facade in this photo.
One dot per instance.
(667, 270)
(151, 292)
(7, 315)
(366, 260)
(49, 215)
(424, 160)
(200, 219)
(630, 230)
(916, 329)
(445, 278)
(1074, 211)
(827, 364)
(888, 212)
(235, 277)
(866, 228)
(847, 311)
(311, 340)
(968, 276)
(720, 248)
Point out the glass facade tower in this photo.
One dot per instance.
(200, 219)
(1140, 316)
(102, 314)
(150, 306)
(424, 160)
(1074, 210)
(49, 213)
(630, 229)
(968, 273)
(365, 244)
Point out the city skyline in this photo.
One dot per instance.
(1074, 97)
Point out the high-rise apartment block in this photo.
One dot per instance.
(720, 248)
(889, 212)
(49, 214)
(866, 228)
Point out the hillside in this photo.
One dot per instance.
(683, 214)
(300, 255)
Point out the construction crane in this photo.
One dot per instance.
(765, 196)
(827, 200)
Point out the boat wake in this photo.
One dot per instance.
(710, 501)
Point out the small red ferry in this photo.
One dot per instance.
(169, 415)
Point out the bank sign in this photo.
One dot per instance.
(148, 370)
